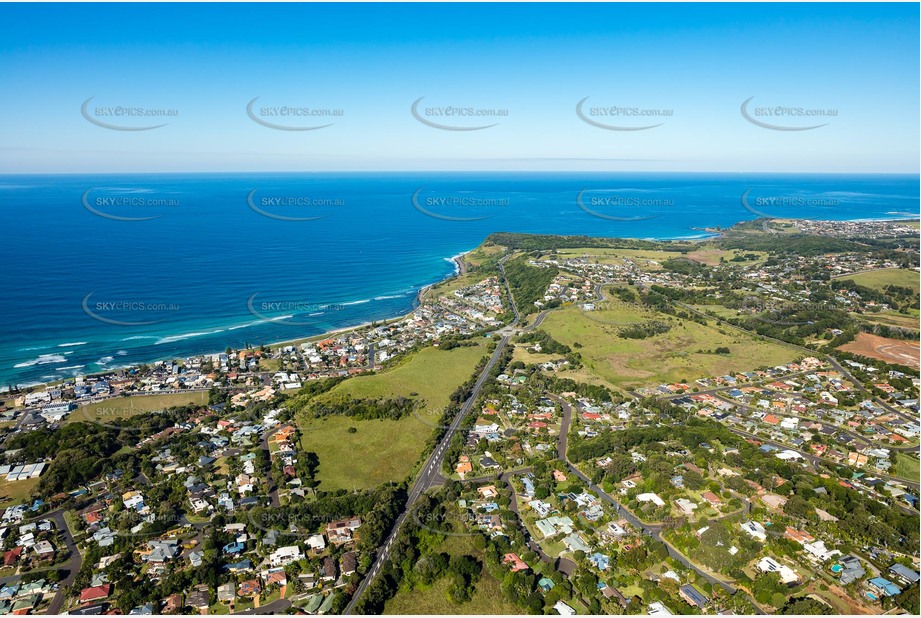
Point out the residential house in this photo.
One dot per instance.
(883, 587)
(769, 565)
(249, 588)
(516, 563)
(903, 574)
(285, 555)
(851, 569)
(173, 604)
(563, 609)
(340, 531)
(95, 593)
(349, 563)
(226, 593)
(755, 529)
(693, 596)
(199, 599)
(328, 569)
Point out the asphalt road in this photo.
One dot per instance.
(651, 530)
(429, 477)
(73, 564)
(278, 606)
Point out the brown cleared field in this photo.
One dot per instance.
(889, 350)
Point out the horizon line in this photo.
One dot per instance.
(455, 171)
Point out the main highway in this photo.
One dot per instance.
(430, 475)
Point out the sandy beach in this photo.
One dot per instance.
(460, 269)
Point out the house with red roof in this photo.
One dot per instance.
(712, 498)
(249, 588)
(800, 536)
(11, 557)
(95, 593)
(93, 517)
(464, 466)
(516, 563)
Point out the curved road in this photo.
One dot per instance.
(73, 564)
(651, 530)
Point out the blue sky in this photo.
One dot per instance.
(697, 63)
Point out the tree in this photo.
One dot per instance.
(908, 600)
(804, 606)
(797, 506)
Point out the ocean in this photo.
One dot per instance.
(103, 271)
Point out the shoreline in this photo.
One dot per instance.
(460, 268)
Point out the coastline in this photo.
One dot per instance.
(460, 268)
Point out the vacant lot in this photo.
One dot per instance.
(430, 373)
(483, 253)
(380, 451)
(677, 354)
(889, 318)
(906, 467)
(889, 350)
(712, 256)
(126, 407)
(878, 279)
(647, 259)
(16, 492)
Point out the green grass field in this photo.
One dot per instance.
(719, 310)
(16, 492)
(448, 287)
(483, 253)
(378, 452)
(668, 357)
(906, 467)
(531, 358)
(487, 599)
(382, 451)
(126, 407)
(431, 373)
(704, 252)
(646, 259)
(270, 364)
(889, 318)
(878, 279)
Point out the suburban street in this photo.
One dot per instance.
(72, 566)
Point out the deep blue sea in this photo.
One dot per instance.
(102, 271)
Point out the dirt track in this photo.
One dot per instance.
(889, 350)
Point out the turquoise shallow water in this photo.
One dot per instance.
(107, 270)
